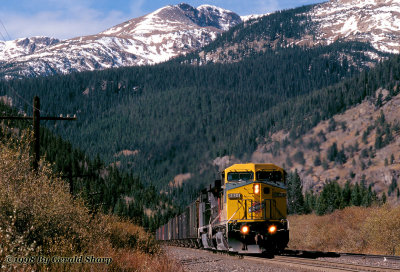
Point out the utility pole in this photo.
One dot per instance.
(36, 128)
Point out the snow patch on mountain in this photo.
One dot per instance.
(150, 39)
(246, 18)
(175, 30)
(24, 46)
(374, 21)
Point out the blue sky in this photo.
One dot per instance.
(70, 18)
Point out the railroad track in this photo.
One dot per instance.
(310, 260)
(324, 254)
(318, 265)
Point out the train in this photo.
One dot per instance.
(245, 212)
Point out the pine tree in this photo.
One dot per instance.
(330, 198)
(378, 102)
(332, 152)
(331, 125)
(299, 157)
(317, 161)
(341, 157)
(366, 195)
(356, 197)
(392, 186)
(295, 194)
(309, 202)
(346, 195)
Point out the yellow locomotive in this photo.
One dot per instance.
(244, 212)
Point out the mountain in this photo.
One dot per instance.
(177, 30)
(25, 46)
(174, 125)
(374, 21)
(150, 39)
(368, 21)
(360, 145)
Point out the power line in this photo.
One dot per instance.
(15, 92)
(36, 118)
(4, 39)
(23, 99)
(9, 37)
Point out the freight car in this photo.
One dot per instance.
(244, 212)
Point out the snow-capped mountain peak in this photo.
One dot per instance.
(374, 21)
(149, 39)
(178, 29)
(218, 17)
(24, 46)
(172, 18)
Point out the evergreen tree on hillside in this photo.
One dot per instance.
(392, 186)
(346, 195)
(309, 202)
(295, 194)
(330, 198)
(317, 160)
(356, 197)
(332, 152)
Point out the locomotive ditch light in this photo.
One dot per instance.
(256, 188)
(272, 229)
(245, 229)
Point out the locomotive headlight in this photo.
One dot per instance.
(272, 229)
(256, 189)
(244, 229)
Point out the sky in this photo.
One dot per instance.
(64, 19)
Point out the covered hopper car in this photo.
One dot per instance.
(244, 212)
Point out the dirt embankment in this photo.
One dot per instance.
(373, 230)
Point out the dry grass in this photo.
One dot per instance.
(38, 217)
(372, 230)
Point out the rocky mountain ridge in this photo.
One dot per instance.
(369, 21)
(150, 39)
(176, 30)
(374, 21)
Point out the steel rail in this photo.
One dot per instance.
(319, 265)
(309, 264)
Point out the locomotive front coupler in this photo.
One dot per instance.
(258, 238)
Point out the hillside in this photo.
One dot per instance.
(369, 136)
(373, 22)
(41, 223)
(174, 125)
(103, 188)
(146, 108)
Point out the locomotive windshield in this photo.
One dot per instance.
(273, 176)
(236, 176)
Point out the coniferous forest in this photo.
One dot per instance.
(177, 118)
